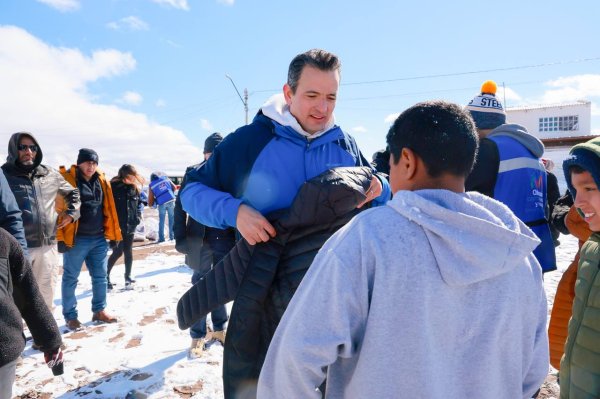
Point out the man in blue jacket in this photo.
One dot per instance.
(10, 215)
(509, 169)
(260, 167)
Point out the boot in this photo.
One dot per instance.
(197, 348)
(129, 281)
(104, 317)
(219, 336)
(74, 325)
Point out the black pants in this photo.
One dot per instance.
(124, 247)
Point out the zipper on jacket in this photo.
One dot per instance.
(305, 156)
(39, 215)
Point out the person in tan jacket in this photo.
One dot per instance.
(85, 239)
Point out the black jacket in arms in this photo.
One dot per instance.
(263, 278)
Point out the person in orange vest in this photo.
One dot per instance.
(85, 239)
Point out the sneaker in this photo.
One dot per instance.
(104, 317)
(197, 348)
(219, 336)
(74, 325)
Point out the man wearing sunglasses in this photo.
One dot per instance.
(36, 188)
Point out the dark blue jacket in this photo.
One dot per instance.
(162, 189)
(263, 165)
(10, 215)
(521, 184)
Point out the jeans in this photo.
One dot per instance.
(7, 379)
(124, 247)
(93, 250)
(167, 208)
(211, 253)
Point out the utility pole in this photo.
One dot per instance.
(244, 100)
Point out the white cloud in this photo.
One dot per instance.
(178, 4)
(54, 104)
(572, 88)
(226, 2)
(62, 5)
(508, 95)
(391, 117)
(132, 23)
(160, 103)
(206, 125)
(359, 129)
(131, 98)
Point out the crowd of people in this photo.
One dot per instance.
(419, 274)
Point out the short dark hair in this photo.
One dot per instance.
(442, 134)
(317, 58)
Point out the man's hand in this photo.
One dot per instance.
(253, 226)
(373, 192)
(65, 220)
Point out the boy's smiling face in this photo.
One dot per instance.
(587, 198)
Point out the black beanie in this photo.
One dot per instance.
(87, 154)
(211, 142)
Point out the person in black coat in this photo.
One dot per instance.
(21, 298)
(203, 247)
(126, 192)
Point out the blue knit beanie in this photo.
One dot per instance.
(486, 110)
(585, 159)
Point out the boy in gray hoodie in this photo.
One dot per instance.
(435, 295)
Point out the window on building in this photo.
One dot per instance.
(559, 123)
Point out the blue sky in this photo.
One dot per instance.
(143, 81)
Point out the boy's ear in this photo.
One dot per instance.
(409, 163)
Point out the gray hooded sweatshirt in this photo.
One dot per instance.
(436, 295)
(520, 134)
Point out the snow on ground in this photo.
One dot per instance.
(145, 355)
(144, 352)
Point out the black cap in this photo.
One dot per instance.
(211, 142)
(87, 154)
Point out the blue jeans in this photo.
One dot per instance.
(211, 255)
(167, 208)
(92, 250)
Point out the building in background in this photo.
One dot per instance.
(557, 125)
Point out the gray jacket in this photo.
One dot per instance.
(36, 192)
(436, 295)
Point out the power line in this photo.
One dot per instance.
(443, 75)
(418, 93)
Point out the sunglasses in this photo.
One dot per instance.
(24, 147)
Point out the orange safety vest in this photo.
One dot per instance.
(112, 231)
